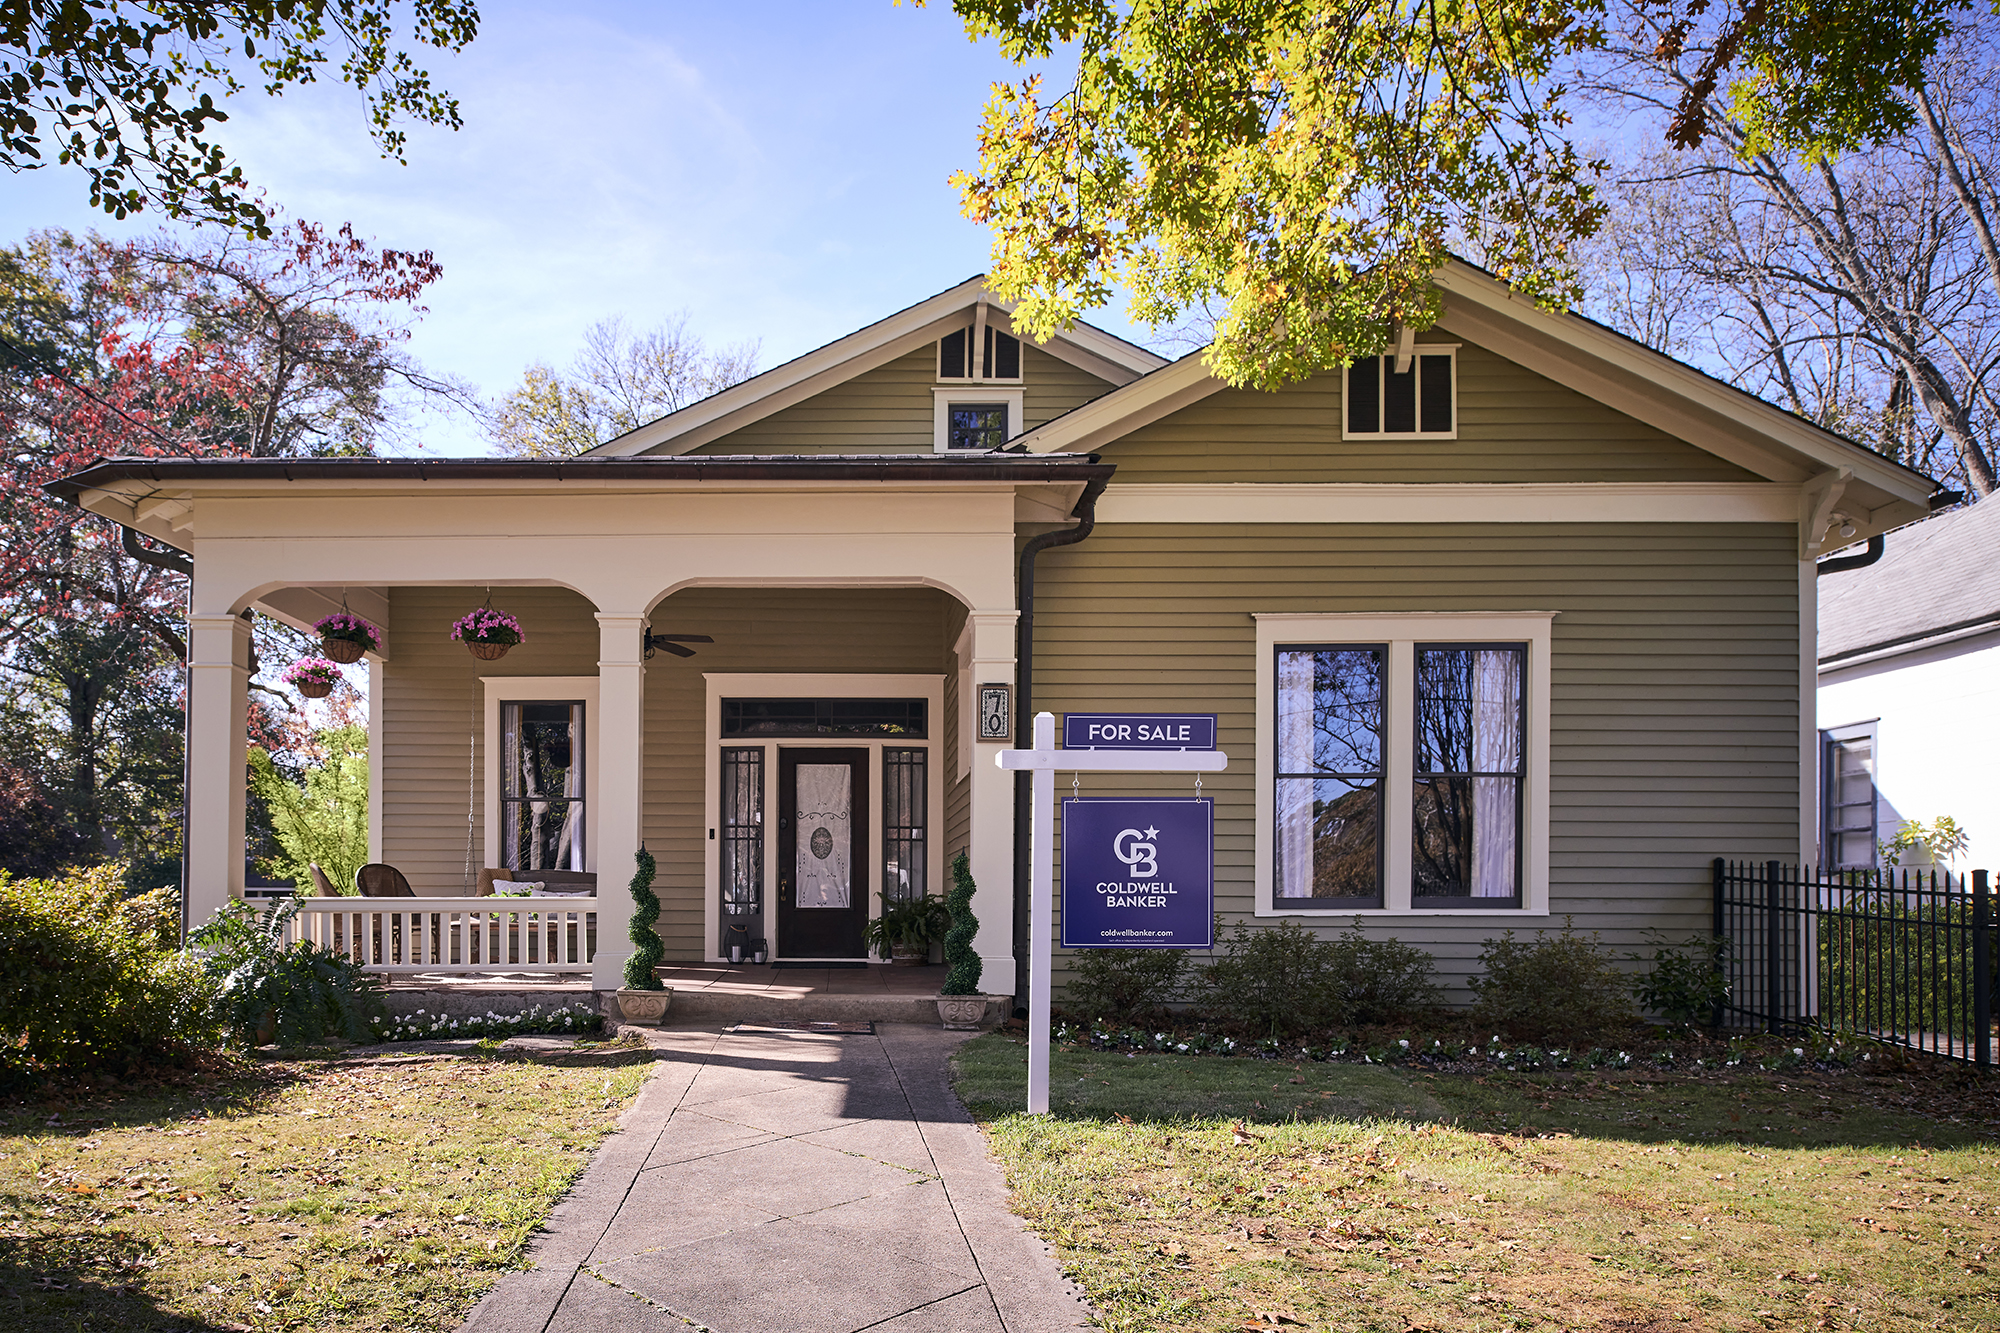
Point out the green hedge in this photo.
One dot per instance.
(87, 980)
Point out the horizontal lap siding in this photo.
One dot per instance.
(432, 698)
(877, 631)
(889, 410)
(1513, 426)
(1674, 716)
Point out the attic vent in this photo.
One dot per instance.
(1001, 358)
(1419, 401)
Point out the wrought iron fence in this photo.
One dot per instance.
(1903, 956)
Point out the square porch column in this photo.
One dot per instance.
(217, 761)
(620, 795)
(992, 807)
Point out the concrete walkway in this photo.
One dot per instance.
(789, 1182)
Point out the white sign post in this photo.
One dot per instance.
(1043, 761)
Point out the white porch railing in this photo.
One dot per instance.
(452, 934)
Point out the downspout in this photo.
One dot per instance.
(1847, 562)
(1085, 514)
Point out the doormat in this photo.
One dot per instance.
(842, 966)
(849, 1029)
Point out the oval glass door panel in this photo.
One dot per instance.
(823, 873)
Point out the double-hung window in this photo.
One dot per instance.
(1848, 796)
(1403, 762)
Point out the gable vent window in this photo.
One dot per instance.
(1418, 403)
(999, 359)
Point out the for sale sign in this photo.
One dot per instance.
(1138, 731)
(1138, 874)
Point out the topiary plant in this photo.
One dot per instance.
(963, 978)
(646, 947)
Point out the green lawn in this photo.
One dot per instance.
(334, 1192)
(1199, 1193)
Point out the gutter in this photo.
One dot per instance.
(1085, 514)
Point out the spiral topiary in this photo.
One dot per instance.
(963, 979)
(646, 947)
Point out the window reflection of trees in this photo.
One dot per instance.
(1330, 745)
(542, 792)
(1468, 767)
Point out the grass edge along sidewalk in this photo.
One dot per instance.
(1198, 1194)
(383, 1188)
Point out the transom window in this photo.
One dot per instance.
(825, 717)
(1415, 403)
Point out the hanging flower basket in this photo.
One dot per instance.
(344, 636)
(314, 677)
(488, 634)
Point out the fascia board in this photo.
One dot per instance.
(1122, 411)
(1101, 354)
(1653, 387)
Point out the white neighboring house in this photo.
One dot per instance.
(1909, 689)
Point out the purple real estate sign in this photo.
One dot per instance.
(1138, 874)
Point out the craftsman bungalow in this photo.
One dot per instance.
(1512, 625)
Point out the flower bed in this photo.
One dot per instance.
(432, 1027)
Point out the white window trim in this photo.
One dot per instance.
(1402, 632)
(535, 689)
(802, 685)
(1421, 349)
(944, 396)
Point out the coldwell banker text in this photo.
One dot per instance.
(1138, 874)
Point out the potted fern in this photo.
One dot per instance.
(643, 999)
(961, 1007)
(905, 930)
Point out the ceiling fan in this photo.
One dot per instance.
(672, 643)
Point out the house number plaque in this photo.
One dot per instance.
(996, 712)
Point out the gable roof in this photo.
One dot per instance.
(1937, 578)
(1102, 354)
(1877, 493)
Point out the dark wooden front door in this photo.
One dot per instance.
(822, 853)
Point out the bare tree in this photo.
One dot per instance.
(1862, 292)
(619, 381)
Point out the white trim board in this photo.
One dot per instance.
(808, 685)
(1450, 502)
(1401, 632)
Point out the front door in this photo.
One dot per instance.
(822, 853)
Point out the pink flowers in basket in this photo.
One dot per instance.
(346, 625)
(314, 677)
(485, 625)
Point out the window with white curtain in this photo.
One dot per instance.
(541, 791)
(1469, 723)
(1402, 762)
(1331, 738)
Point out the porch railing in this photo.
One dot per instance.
(453, 935)
(1903, 956)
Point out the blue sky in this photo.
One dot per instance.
(777, 170)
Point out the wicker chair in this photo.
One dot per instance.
(376, 880)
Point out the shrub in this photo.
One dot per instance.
(85, 982)
(1289, 980)
(321, 819)
(1274, 980)
(289, 993)
(647, 951)
(1123, 984)
(1560, 987)
(959, 955)
(1686, 981)
(1379, 981)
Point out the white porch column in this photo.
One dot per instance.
(620, 795)
(218, 696)
(992, 807)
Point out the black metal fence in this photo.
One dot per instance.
(1903, 956)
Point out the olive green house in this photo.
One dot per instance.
(1512, 625)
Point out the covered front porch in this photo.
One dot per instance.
(854, 605)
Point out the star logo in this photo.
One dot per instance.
(1152, 833)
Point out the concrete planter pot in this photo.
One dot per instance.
(909, 955)
(648, 1007)
(961, 1013)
